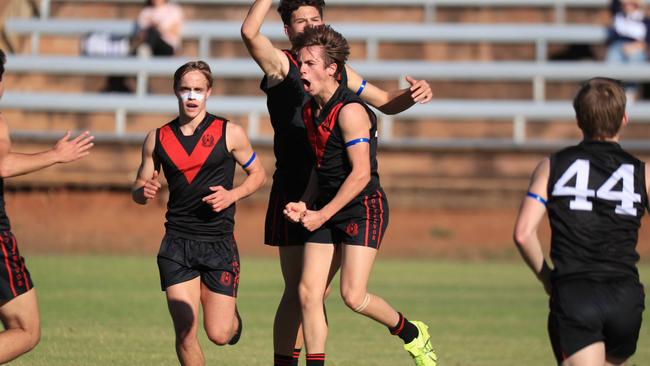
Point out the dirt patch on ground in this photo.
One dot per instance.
(61, 221)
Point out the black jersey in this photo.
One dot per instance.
(191, 165)
(4, 219)
(326, 139)
(596, 198)
(293, 157)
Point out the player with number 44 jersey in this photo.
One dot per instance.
(595, 194)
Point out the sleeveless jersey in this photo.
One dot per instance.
(4, 219)
(596, 198)
(293, 157)
(191, 165)
(326, 139)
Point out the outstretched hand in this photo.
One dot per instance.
(220, 199)
(70, 150)
(420, 90)
(151, 186)
(293, 211)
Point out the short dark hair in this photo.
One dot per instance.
(201, 66)
(335, 47)
(600, 107)
(3, 60)
(287, 7)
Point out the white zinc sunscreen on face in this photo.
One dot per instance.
(192, 95)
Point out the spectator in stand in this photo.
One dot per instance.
(629, 37)
(160, 24)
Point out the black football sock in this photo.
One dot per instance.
(404, 329)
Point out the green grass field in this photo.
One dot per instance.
(108, 310)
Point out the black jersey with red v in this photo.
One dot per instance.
(189, 153)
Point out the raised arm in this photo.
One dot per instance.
(146, 183)
(355, 124)
(271, 60)
(240, 147)
(531, 212)
(392, 101)
(13, 164)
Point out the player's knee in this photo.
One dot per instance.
(309, 296)
(354, 298)
(220, 337)
(34, 337)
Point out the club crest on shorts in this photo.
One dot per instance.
(207, 140)
(352, 229)
(226, 279)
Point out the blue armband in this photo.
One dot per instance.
(356, 141)
(363, 86)
(536, 197)
(250, 161)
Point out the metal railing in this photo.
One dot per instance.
(519, 112)
(371, 33)
(429, 7)
(538, 73)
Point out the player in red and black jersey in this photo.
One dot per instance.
(294, 160)
(351, 210)
(18, 304)
(198, 258)
(595, 194)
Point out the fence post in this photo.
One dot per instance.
(560, 12)
(204, 47)
(541, 48)
(429, 12)
(372, 47)
(386, 123)
(120, 121)
(539, 88)
(519, 130)
(253, 125)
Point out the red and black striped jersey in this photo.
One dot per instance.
(596, 198)
(330, 151)
(293, 157)
(193, 164)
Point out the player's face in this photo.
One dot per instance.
(302, 17)
(314, 73)
(192, 93)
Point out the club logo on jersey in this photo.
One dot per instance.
(207, 140)
(226, 279)
(352, 229)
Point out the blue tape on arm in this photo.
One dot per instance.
(363, 86)
(357, 141)
(250, 161)
(536, 197)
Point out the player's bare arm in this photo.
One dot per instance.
(146, 185)
(392, 101)
(240, 147)
(531, 212)
(64, 151)
(272, 61)
(355, 124)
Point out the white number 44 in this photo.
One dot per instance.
(581, 191)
